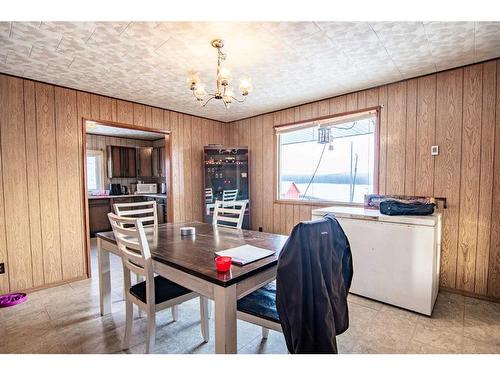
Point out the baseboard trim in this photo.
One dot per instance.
(51, 285)
(469, 294)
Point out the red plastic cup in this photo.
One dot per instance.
(223, 264)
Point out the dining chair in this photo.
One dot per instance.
(229, 195)
(308, 300)
(209, 195)
(147, 212)
(229, 217)
(155, 293)
(259, 308)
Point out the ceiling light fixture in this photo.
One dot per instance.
(223, 80)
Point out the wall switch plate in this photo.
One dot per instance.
(2, 268)
(434, 150)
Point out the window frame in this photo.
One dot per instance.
(303, 124)
(99, 153)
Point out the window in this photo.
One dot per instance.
(328, 160)
(95, 170)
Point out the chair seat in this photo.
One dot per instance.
(164, 290)
(261, 303)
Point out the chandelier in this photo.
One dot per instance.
(223, 89)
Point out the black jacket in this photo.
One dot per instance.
(313, 278)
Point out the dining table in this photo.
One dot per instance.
(190, 261)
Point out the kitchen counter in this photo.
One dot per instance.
(127, 196)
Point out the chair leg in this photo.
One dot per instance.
(204, 315)
(129, 319)
(175, 312)
(151, 331)
(265, 333)
(139, 279)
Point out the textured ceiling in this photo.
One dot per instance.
(289, 62)
(113, 131)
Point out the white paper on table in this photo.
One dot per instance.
(245, 254)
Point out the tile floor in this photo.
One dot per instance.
(66, 319)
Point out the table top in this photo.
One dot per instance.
(195, 254)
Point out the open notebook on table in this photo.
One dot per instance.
(245, 254)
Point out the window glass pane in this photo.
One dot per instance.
(94, 172)
(340, 170)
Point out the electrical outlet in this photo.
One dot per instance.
(434, 150)
(2, 268)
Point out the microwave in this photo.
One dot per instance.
(146, 189)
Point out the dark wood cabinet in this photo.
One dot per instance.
(161, 205)
(144, 162)
(117, 199)
(98, 215)
(130, 162)
(121, 162)
(158, 156)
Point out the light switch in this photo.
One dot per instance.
(434, 150)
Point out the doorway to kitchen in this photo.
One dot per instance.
(122, 164)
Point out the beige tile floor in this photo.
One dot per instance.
(66, 319)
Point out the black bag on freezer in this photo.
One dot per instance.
(394, 207)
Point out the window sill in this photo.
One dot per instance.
(316, 203)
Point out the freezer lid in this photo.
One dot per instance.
(362, 213)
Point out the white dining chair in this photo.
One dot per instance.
(209, 195)
(229, 217)
(229, 195)
(155, 293)
(146, 211)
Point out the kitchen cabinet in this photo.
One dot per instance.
(144, 162)
(158, 156)
(121, 162)
(161, 205)
(98, 215)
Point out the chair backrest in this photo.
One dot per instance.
(133, 245)
(229, 214)
(209, 195)
(146, 212)
(229, 195)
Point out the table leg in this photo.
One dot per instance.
(225, 320)
(104, 279)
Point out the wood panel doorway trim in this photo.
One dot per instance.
(168, 168)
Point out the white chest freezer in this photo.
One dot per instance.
(395, 258)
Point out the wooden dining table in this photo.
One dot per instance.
(189, 261)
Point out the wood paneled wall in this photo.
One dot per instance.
(459, 110)
(41, 183)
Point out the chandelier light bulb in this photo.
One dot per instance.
(200, 92)
(224, 76)
(193, 79)
(246, 86)
(228, 96)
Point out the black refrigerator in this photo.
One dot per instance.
(226, 175)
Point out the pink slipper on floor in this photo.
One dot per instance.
(12, 299)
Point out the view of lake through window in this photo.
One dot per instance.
(339, 169)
